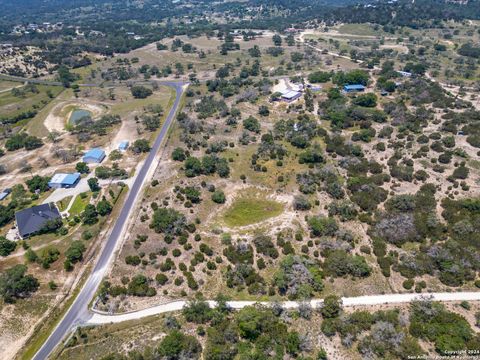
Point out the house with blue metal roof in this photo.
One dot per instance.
(354, 88)
(95, 155)
(65, 181)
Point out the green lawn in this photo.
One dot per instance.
(62, 204)
(79, 204)
(249, 210)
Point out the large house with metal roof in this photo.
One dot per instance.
(95, 155)
(290, 95)
(354, 88)
(59, 181)
(33, 220)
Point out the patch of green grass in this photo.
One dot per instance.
(62, 204)
(79, 203)
(359, 29)
(250, 210)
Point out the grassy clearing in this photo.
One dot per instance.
(250, 210)
(359, 29)
(11, 105)
(161, 96)
(79, 203)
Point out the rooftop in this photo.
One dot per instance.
(354, 87)
(96, 153)
(67, 179)
(290, 94)
(123, 145)
(31, 220)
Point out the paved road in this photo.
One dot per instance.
(78, 312)
(99, 319)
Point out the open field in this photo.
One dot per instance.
(12, 105)
(6, 85)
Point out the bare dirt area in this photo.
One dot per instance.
(59, 116)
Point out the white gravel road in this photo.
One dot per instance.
(100, 318)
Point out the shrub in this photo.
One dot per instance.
(75, 251)
(251, 124)
(6, 246)
(408, 284)
(197, 311)
(366, 100)
(133, 260)
(177, 345)
(331, 307)
(322, 226)
(161, 279)
(178, 154)
(168, 221)
(218, 197)
(15, 283)
(301, 202)
(141, 92)
(264, 245)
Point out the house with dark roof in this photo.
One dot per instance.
(33, 220)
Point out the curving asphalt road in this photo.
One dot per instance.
(78, 312)
(99, 319)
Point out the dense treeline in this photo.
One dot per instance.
(109, 37)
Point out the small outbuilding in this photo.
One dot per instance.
(315, 88)
(65, 181)
(354, 88)
(123, 146)
(5, 193)
(31, 221)
(405, 73)
(95, 155)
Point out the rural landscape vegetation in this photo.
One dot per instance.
(239, 179)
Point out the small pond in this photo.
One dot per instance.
(78, 114)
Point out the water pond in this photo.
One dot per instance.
(78, 114)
